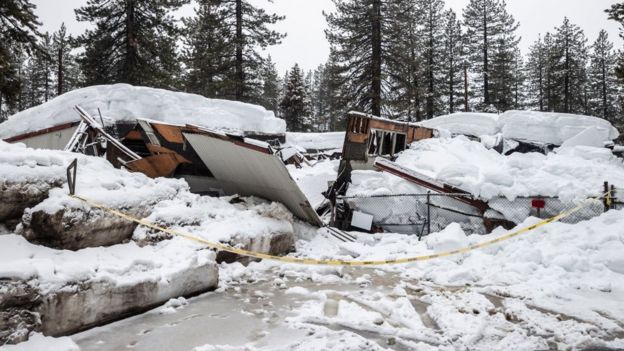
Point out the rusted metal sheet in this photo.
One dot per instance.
(172, 134)
(426, 182)
(249, 168)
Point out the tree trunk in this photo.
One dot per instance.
(430, 89)
(376, 59)
(129, 74)
(59, 87)
(466, 107)
(240, 74)
(566, 84)
(604, 89)
(486, 87)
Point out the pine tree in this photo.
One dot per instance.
(332, 95)
(616, 13)
(356, 35)
(66, 70)
(569, 68)
(249, 29)
(270, 85)
(295, 103)
(519, 79)
(431, 17)
(453, 63)
(40, 82)
(404, 61)
(602, 79)
(536, 72)
(491, 43)
(206, 53)
(18, 34)
(134, 41)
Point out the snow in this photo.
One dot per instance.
(553, 128)
(124, 264)
(123, 102)
(468, 123)
(316, 141)
(96, 178)
(38, 342)
(313, 180)
(571, 173)
(531, 126)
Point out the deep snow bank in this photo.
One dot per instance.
(531, 126)
(127, 102)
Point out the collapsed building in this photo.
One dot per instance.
(216, 156)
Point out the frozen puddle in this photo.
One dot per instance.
(347, 309)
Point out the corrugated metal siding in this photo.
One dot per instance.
(247, 172)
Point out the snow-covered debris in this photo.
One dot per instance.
(316, 141)
(570, 173)
(553, 128)
(529, 126)
(123, 102)
(468, 123)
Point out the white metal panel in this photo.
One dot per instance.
(249, 172)
(56, 140)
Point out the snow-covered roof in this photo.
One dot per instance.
(123, 102)
(531, 126)
(318, 141)
(570, 172)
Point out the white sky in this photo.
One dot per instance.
(305, 23)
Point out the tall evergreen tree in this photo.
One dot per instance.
(536, 75)
(491, 43)
(453, 63)
(404, 61)
(569, 68)
(356, 34)
(295, 103)
(431, 17)
(616, 13)
(270, 85)
(133, 41)
(250, 31)
(18, 34)
(602, 79)
(67, 74)
(206, 51)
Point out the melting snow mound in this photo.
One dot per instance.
(123, 102)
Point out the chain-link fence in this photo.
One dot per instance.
(421, 214)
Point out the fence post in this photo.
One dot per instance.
(606, 201)
(428, 212)
(613, 197)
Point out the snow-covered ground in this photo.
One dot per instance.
(126, 102)
(559, 287)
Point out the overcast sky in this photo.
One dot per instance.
(305, 23)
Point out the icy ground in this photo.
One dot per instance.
(560, 287)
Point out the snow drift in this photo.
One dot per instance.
(123, 102)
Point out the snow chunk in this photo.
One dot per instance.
(123, 102)
(451, 238)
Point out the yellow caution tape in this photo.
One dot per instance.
(312, 261)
